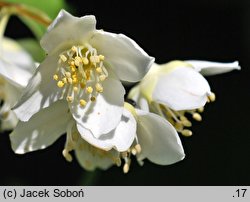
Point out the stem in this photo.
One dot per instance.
(40, 17)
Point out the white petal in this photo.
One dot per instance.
(182, 89)
(16, 65)
(91, 158)
(41, 91)
(207, 68)
(103, 115)
(129, 61)
(159, 140)
(67, 30)
(43, 129)
(121, 138)
(12, 94)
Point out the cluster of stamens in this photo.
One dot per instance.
(81, 72)
(180, 119)
(74, 141)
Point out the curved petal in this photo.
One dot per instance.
(103, 115)
(207, 68)
(121, 138)
(182, 89)
(43, 129)
(16, 65)
(90, 157)
(67, 30)
(41, 91)
(127, 59)
(159, 140)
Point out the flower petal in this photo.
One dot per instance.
(159, 140)
(16, 65)
(129, 61)
(41, 91)
(103, 115)
(43, 129)
(182, 89)
(121, 138)
(67, 30)
(91, 158)
(207, 68)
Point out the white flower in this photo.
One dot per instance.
(16, 68)
(139, 133)
(176, 88)
(84, 66)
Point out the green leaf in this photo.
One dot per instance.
(33, 47)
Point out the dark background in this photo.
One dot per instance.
(219, 151)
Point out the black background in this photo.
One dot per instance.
(219, 151)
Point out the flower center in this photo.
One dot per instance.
(81, 72)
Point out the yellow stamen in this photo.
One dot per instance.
(89, 89)
(99, 88)
(186, 133)
(69, 99)
(98, 70)
(212, 97)
(101, 57)
(85, 61)
(83, 102)
(60, 84)
(63, 58)
(102, 77)
(55, 77)
(197, 117)
(64, 80)
(68, 74)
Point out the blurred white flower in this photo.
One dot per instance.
(177, 88)
(139, 133)
(16, 68)
(84, 66)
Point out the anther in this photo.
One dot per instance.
(67, 155)
(78, 60)
(99, 88)
(133, 151)
(126, 168)
(197, 117)
(138, 148)
(83, 102)
(63, 58)
(55, 77)
(60, 84)
(101, 57)
(98, 70)
(93, 98)
(186, 123)
(201, 109)
(89, 89)
(75, 89)
(64, 80)
(85, 61)
(212, 97)
(74, 48)
(70, 80)
(186, 133)
(94, 59)
(69, 99)
(68, 74)
(102, 77)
